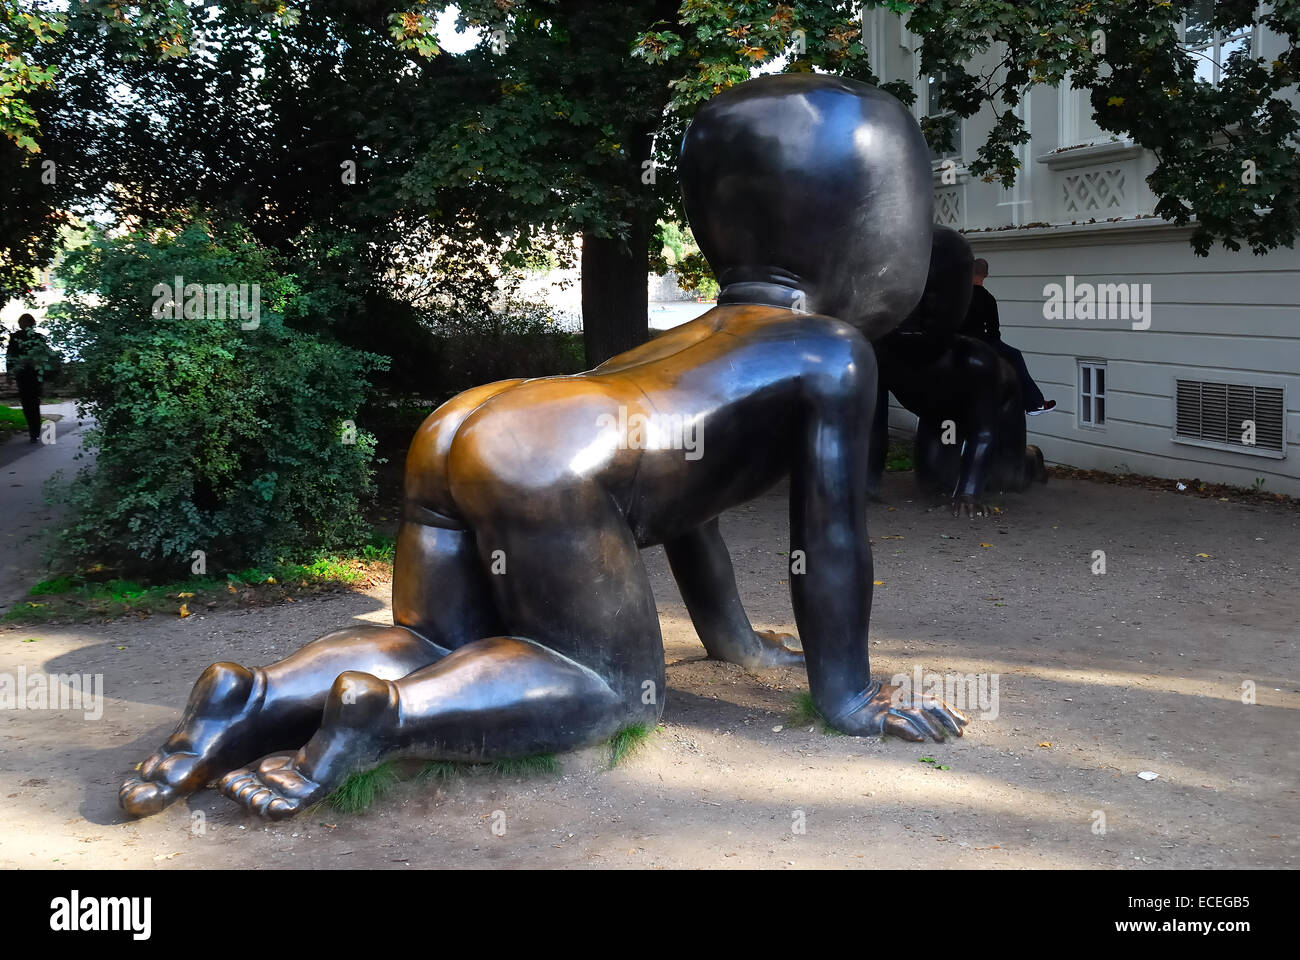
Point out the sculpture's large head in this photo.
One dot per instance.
(813, 192)
(947, 294)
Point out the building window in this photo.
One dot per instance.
(1092, 393)
(940, 117)
(1211, 48)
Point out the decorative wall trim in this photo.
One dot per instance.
(1091, 154)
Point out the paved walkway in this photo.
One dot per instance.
(24, 514)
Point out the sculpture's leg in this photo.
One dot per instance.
(440, 601)
(1010, 467)
(236, 714)
(937, 464)
(496, 697)
(702, 569)
(577, 585)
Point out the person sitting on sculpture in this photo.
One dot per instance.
(523, 618)
(970, 433)
(982, 324)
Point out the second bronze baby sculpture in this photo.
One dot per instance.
(523, 619)
(970, 430)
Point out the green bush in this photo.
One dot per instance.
(207, 436)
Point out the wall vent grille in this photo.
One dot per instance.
(1221, 413)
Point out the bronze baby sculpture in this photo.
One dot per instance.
(970, 433)
(523, 617)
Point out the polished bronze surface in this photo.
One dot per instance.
(970, 434)
(523, 617)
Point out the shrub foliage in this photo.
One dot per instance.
(208, 436)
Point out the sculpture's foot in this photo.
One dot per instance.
(222, 709)
(776, 650)
(276, 789)
(360, 706)
(894, 711)
(1037, 468)
(969, 507)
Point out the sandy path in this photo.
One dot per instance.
(1140, 669)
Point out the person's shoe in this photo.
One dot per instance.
(1047, 405)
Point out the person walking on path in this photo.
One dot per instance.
(982, 324)
(30, 360)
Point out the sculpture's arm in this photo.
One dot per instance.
(702, 569)
(828, 525)
(828, 522)
(975, 367)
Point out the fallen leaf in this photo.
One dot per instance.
(878, 583)
(182, 596)
(1046, 743)
(1207, 556)
(986, 544)
(185, 611)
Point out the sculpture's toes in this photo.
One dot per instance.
(161, 780)
(779, 649)
(143, 798)
(276, 790)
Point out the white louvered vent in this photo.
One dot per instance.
(1223, 413)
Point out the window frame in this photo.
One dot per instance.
(1088, 398)
(932, 111)
(1211, 52)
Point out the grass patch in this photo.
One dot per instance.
(89, 595)
(626, 742)
(802, 711)
(359, 791)
(11, 421)
(536, 765)
(438, 771)
(898, 456)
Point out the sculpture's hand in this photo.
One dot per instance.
(968, 507)
(779, 649)
(910, 716)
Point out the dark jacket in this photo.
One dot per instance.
(29, 356)
(982, 317)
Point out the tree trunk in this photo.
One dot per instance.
(615, 304)
(615, 299)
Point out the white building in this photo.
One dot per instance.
(1222, 349)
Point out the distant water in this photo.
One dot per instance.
(666, 314)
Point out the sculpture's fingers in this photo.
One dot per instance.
(951, 718)
(899, 725)
(927, 724)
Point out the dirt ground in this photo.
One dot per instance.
(1100, 677)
